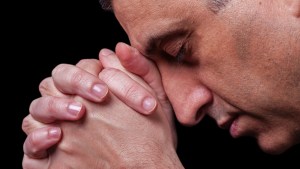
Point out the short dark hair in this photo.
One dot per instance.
(106, 5)
(214, 5)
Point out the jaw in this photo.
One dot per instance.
(278, 140)
(273, 146)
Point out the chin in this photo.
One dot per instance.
(273, 146)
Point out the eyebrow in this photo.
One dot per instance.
(155, 40)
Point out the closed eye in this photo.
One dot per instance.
(181, 54)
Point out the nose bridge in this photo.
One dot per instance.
(188, 97)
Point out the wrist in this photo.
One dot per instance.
(157, 159)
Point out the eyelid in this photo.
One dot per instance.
(181, 53)
(173, 48)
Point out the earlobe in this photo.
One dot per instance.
(294, 7)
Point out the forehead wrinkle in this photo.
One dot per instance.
(146, 26)
(138, 9)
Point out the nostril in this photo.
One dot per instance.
(202, 112)
(199, 116)
(192, 105)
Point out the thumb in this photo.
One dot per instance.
(133, 61)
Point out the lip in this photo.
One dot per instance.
(230, 124)
(226, 124)
(234, 129)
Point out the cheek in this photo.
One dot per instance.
(223, 67)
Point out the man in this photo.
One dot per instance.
(235, 61)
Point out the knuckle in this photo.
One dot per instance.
(33, 105)
(73, 77)
(46, 102)
(26, 124)
(61, 68)
(130, 91)
(43, 109)
(45, 84)
(77, 78)
(91, 66)
(32, 141)
(29, 125)
(50, 103)
(65, 147)
(85, 63)
(109, 74)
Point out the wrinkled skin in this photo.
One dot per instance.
(111, 141)
(240, 65)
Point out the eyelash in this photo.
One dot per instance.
(181, 54)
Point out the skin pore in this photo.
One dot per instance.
(238, 62)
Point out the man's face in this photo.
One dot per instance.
(239, 65)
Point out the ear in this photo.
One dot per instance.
(294, 7)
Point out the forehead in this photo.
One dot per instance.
(142, 19)
(145, 8)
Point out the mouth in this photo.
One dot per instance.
(230, 124)
(234, 129)
(226, 124)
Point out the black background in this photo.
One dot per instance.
(64, 31)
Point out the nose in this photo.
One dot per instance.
(189, 101)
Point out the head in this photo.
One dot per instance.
(237, 61)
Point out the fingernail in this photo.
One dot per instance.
(54, 132)
(74, 108)
(105, 52)
(132, 49)
(149, 104)
(100, 90)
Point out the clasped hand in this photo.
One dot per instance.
(108, 114)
